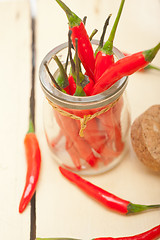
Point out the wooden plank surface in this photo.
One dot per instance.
(15, 80)
(62, 209)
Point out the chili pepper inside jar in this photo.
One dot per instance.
(86, 134)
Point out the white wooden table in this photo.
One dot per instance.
(62, 210)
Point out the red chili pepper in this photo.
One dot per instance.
(87, 89)
(108, 154)
(116, 111)
(149, 66)
(151, 234)
(33, 158)
(56, 139)
(93, 135)
(108, 199)
(102, 63)
(113, 132)
(85, 50)
(70, 148)
(107, 122)
(72, 84)
(73, 153)
(119, 144)
(82, 146)
(104, 57)
(124, 67)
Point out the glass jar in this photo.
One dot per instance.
(85, 134)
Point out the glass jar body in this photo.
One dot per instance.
(104, 142)
(85, 134)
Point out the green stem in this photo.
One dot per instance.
(77, 64)
(151, 53)
(70, 52)
(93, 34)
(84, 20)
(149, 66)
(135, 208)
(52, 78)
(108, 46)
(101, 41)
(79, 89)
(63, 78)
(31, 126)
(73, 19)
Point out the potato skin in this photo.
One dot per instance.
(145, 137)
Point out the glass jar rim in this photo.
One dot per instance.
(76, 102)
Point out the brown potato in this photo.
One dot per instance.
(145, 137)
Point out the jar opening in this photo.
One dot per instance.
(73, 102)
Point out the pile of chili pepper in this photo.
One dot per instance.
(100, 65)
(92, 72)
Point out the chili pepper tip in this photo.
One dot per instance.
(151, 53)
(73, 19)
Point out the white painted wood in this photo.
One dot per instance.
(15, 79)
(62, 209)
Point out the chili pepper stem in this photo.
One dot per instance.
(52, 78)
(70, 52)
(62, 72)
(152, 67)
(108, 46)
(151, 53)
(101, 41)
(93, 34)
(73, 19)
(79, 90)
(135, 208)
(31, 126)
(84, 20)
